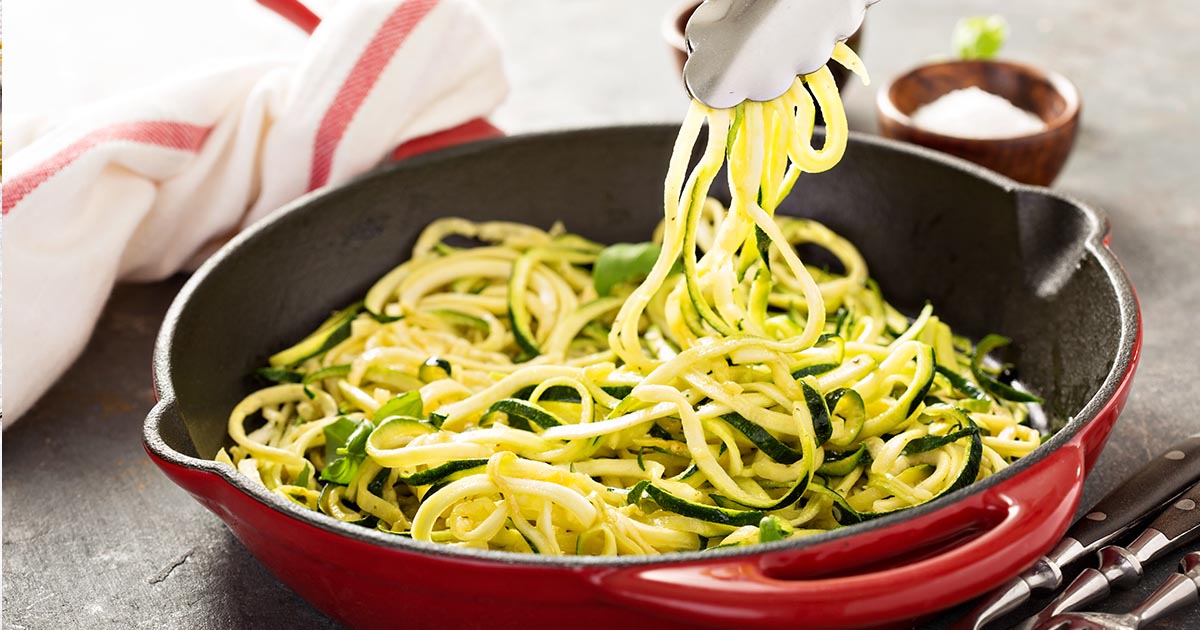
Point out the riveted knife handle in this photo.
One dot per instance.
(1180, 521)
(1164, 478)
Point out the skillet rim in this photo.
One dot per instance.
(1095, 244)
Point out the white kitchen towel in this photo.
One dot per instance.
(135, 187)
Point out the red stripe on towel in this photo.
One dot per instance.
(358, 83)
(161, 133)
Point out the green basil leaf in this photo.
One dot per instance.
(345, 448)
(302, 479)
(979, 37)
(408, 404)
(356, 446)
(336, 435)
(623, 262)
(340, 471)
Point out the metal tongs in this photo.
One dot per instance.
(754, 49)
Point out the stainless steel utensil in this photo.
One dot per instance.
(1178, 592)
(1157, 483)
(1122, 566)
(754, 49)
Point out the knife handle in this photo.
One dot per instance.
(1147, 490)
(1181, 519)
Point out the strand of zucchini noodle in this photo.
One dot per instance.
(749, 398)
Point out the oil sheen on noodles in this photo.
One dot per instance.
(514, 395)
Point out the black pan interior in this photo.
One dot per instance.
(990, 256)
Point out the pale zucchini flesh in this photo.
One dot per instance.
(538, 393)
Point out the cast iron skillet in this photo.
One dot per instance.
(991, 255)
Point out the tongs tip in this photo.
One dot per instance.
(754, 49)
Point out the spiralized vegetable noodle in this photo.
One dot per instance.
(540, 392)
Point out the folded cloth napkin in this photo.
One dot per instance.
(139, 187)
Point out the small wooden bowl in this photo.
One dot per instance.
(1033, 159)
(676, 21)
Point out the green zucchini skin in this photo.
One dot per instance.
(439, 473)
(822, 426)
(333, 371)
(279, 375)
(518, 315)
(794, 494)
(847, 515)
(978, 399)
(931, 442)
(434, 369)
(563, 393)
(993, 386)
(329, 505)
(711, 514)
(847, 404)
(522, 412)
(865, 374)
(842, 464)
(910, 401)
(770, 445)
(378, 482)
(335, 330)
(816, 369)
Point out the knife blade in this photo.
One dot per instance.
(1122, 566)
(1156, 483)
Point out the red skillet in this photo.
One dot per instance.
(992, 256)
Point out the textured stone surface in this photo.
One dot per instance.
(94, 536)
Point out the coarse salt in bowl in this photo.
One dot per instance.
(975, 113)
(966, 108)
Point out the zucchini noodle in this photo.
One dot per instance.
(490, 393)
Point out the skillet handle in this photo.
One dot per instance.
(1021, 520)
(470, 131)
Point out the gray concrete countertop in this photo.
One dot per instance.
(95, 536)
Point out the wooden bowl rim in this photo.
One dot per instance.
(1061, 84)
